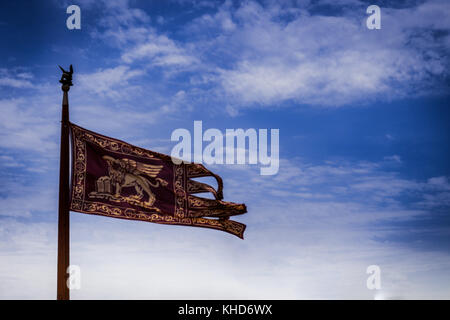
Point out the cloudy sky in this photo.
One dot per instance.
(364, 175)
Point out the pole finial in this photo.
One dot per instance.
(66, 78)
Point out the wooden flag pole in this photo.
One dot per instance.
(64, 192)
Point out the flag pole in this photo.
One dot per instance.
(63, 210)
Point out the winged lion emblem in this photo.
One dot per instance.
(124, 173)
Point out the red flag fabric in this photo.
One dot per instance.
(116, 179)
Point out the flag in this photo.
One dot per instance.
(116, 179)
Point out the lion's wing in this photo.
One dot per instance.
(149, 169)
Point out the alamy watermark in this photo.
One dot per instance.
(228, 148)
(74, 279)
(74, 20)
(374, 280)
(374, 20)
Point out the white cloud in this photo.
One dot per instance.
(9, 162)
(275, 53)
(440, 183)
(389, 137)
(326, 60)
(343, 192)
(158, 50)
(109, 82)
(129, 29)
(135, 260)
(25, 125)
(14, 79)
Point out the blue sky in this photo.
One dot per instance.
(363, 118)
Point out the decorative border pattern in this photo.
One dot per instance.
(183, 200)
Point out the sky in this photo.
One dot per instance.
(363, 119)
